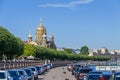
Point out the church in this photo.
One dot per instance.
(41, 38)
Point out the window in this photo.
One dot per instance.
(2, 75)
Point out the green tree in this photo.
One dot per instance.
(20, 47)
(9, 45)
(52, 54)
(68, 50)
(84, 50)
(29, 50)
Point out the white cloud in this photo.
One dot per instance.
(68, 5)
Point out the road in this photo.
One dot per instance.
(58, 73)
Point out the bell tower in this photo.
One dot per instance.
(29, 37)
(44, 41)
(51, 42)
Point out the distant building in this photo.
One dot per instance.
(76, 51)
(41, 38)
(94, 51)
(103, 50)
(117, 51)
(60, 48)
(112, 54)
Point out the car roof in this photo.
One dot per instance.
(117, 72)
(32, 67)
(85, 68)
(101, 72)
(27, 69)
(2, 71)
(12, 70)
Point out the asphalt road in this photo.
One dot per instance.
(58, 73)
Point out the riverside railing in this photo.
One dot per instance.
(14, 64)
(8, 64)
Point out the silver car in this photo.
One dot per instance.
(35, 72)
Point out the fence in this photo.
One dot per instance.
(18, 64)
(8, 64)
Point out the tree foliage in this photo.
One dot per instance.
(9, 44)
(52, 54)
(68, 50)
(84, 50)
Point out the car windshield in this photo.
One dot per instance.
(33, 69)
(95, 72)
(13, 73)
(94, 77)
(21, 72)
(38, 68)
(85, 70)
(117, 76)
(28, 71)
(2, 75)
(77, 65)
(77, 69)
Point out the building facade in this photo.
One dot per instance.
(41, 38)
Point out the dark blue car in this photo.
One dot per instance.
(14, 74)
(116, 76)
(29, 73)
(100, 75)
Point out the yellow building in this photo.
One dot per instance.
(41, 38)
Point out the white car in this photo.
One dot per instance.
(5, 75)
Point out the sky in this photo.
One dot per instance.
(74, 23)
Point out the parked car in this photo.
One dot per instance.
(76, 65)
(45, 67)
(100, 75)
(116, 76)
(40, 69)
(69, 66)
(35, 72)
(76, 70)
(29, 72)
(4, 75)
(83, 73)
(49, 66)
(23, 74)
(13, 75)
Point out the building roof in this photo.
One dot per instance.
(41, 25)
(33, 43)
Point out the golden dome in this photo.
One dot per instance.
(41, 27)
(33, 43)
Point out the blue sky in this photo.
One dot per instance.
(74, 23)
